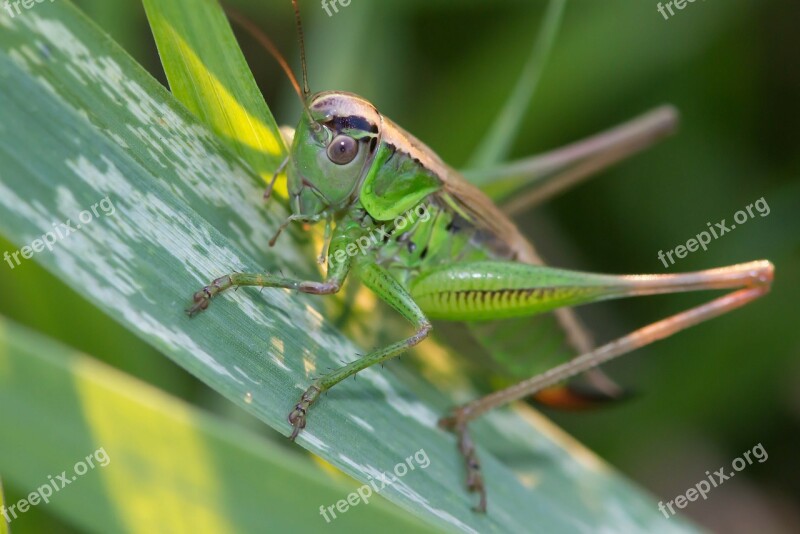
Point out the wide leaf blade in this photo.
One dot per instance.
(163, 465)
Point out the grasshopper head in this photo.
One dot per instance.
(332, 148)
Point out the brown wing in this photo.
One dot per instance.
(478, 208)
(486, 215)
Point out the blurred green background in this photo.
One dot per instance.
(442, 69)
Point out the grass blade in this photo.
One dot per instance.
(3, 520)
(497, 144)
(208, 73)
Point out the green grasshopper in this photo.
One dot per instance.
(449, 253)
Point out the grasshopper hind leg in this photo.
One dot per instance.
(475, 291)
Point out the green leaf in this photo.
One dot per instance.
(81, 122)
(3, 521)
(208, 73)
(163, 464)
(167, 466)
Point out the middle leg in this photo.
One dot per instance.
(385, 286)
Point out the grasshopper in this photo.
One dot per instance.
(450, 253)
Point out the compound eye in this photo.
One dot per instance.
(342, 150)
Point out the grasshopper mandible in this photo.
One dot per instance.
(351, 166)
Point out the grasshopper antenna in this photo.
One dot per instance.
(315, 127)
(267, 43)
(301, 40)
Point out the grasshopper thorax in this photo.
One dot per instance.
(333, 147)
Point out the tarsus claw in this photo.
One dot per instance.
(298, 421)
(201, 301)
(458, 425)
(297, 418)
